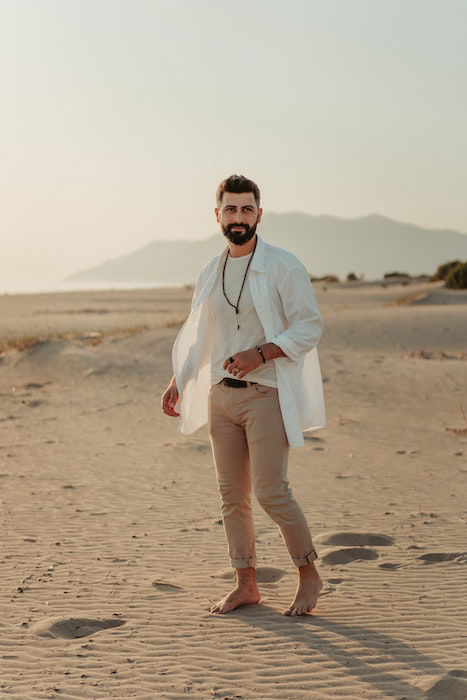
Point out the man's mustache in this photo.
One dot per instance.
(232, 226)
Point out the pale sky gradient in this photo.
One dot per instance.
(119, 118)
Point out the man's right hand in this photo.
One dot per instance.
(169, 399)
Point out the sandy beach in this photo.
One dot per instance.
(112, 547)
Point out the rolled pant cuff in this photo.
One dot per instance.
(307, 559)
(243, 563)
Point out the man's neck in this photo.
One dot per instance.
(236, 251)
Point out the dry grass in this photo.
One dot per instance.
(436, 355)
(460, 432)
(344, 420)
(94, 337)
(175, 323)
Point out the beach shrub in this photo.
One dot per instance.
(351, 277)
(330, 278)
(388, 275)
(325, 278)
(457, 276)
(443, 270)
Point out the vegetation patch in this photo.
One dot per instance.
(457, 276)
(92, 337)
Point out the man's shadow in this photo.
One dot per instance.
(306, 630)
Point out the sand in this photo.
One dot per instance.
(112, 547)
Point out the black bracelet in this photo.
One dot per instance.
(261, 353)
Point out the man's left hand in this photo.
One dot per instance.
(243, 362)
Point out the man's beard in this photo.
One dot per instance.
(239, 237)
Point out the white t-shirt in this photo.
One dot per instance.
(229, 340)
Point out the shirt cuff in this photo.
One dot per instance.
(287, 345)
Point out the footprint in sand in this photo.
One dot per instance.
(35, 385)
(268, 574)
(348, 555)
(355, 539)
(452, 685)
(436, 557)
(166, 586)
(331, 585)
(198, 446)
(189, 445)
(327, 590)
(98, 371)
(264, 574)
(71, 627)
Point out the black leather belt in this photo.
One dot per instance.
(230, 381)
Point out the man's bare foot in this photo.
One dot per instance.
(246, 592)
(309, 586)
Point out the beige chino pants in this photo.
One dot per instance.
(250, 447)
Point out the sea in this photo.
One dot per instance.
(29, 286)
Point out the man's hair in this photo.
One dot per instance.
(237, 184)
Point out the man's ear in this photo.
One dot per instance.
(260, 214)
(217, 212)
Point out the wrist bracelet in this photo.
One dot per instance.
(261, 353)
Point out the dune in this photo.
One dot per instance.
(113, 549)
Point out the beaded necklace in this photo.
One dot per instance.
(235, 306)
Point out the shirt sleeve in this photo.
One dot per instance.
(198, 287)
(302, 313)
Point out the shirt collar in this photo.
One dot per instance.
(258, 257)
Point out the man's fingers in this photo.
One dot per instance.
(168, 403)
(169, 411)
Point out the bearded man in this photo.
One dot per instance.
(246, 363)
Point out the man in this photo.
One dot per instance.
(253, 315)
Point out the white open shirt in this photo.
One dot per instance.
(286, 304)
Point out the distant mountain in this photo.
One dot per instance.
(370, 245)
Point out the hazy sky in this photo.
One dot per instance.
(119, 117)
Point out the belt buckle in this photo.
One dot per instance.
(231, 381)
(237, 383)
